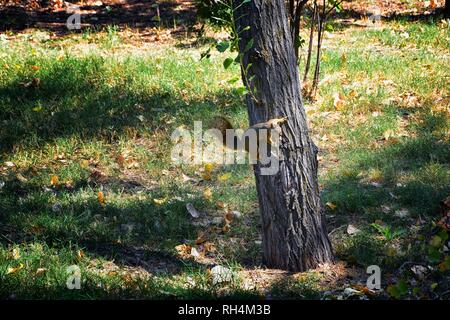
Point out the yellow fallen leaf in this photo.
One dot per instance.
(226, 228)
(352, 94)
(159, 202)
(225, 177)
(339, 101)
(331, 205)
(80, 254)
(221, 204)
(101, 197)
(84, 163)
(207, 194)
(183, 249)
(14, 270)
(16, 254)
(389, 133)
(209, 167)
(54, 180)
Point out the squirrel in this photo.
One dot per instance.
(223, 124)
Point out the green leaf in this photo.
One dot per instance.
(233, 80)
(228, 62)
(299, 42)
(242, 90)
(223, 46)
(249, 45)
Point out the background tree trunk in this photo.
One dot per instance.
(294, 232)
(447, 9)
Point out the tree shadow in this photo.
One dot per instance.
(69, 99)
(127, 13)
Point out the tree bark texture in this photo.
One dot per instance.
(294, 232)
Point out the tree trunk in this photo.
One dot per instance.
(447, 9)
(294, 232)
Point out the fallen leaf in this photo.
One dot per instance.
(21, 178)
(12, 270)
(194, 252)
(206, 176)
(183, 249)
(331, 205)
(225, 177)
(84, 163)
(226, 228)
(121, 160)
(339, 101)
(40, 270)
(101, 197)
(209, 167)
(160, 202)
(9, 164)
(351, 229)
(228, 217)
(207, 194)
(54, 181)
(221, 204)
(16, 254)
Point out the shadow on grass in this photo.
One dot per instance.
(411, 172)
(74, 98)
(129, 13)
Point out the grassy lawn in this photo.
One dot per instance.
(86, 176)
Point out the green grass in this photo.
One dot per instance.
(71, 106)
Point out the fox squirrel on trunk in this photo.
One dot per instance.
(223, 124)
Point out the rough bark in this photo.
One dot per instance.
(294, 232)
